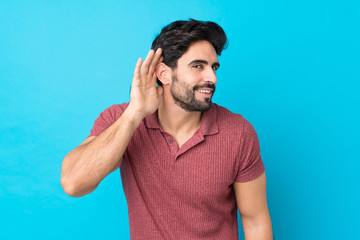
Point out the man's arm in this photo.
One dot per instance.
(85, 166)
(252, 204)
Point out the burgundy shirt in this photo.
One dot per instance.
(186, 193)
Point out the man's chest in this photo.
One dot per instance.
(202, 168)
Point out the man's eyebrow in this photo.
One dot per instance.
(204, 62)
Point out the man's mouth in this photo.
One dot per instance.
(205, 88)
(204, 91)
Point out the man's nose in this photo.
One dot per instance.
(210, 75)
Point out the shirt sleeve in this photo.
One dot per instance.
(250, 165)
(107, 118)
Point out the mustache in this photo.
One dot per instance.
(205, 85)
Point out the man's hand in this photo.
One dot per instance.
(145, 96)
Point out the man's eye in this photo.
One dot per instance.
(198, 66)
(215, 67)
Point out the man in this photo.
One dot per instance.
(186, 163)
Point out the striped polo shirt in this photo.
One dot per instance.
(186, 193)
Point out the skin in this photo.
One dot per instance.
(196, 67)
(252, 204)
(84, 167)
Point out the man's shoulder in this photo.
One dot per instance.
(107, 117)
(224, 114)
(117, 107)
(230, 120)
(113, 112)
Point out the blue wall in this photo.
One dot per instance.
(291, 69)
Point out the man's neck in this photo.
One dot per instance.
(178, 122)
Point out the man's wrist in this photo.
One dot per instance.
(133, 116)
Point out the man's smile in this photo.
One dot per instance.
(205, 92)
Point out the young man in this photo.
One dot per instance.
(186, 163)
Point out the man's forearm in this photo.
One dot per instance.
(85, 166)
(257, 229)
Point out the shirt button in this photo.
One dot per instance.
(170, 141)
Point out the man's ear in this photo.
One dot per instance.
(163, 73)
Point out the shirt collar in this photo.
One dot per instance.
(208, 126)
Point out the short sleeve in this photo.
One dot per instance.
(250, 165)
(107, 118)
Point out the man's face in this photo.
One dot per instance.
(194, 79)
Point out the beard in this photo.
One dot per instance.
(184, 96)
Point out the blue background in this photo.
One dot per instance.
(291, 69)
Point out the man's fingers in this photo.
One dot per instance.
(155, 61)
(147, 61)
(161, 60)
(154, 77)
(137, 69)
(147, 69)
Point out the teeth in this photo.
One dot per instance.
(204, 91)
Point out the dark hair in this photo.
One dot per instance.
(175, 39)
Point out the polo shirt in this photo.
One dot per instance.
(186, 193)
